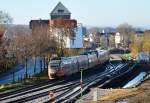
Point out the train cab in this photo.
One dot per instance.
(53, 67)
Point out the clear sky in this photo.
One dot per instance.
(87, 12)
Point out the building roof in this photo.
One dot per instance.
(60, 9)
(38, 22)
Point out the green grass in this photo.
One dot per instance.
(126, 56)
(10, 86)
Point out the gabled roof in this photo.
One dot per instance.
(58, 7)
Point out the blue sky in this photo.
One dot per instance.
(87, 12)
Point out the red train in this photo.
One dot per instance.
(64, 66)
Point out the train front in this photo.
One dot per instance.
(53, 66)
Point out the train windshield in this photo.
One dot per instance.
(56, 58)
(55, 62)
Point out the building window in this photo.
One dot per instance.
(60, 11)
(72, 41)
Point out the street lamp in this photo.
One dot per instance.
(26, 68)
(81, 80)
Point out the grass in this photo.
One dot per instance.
(9, 86)
(120, 93)
(126, 56)
(143, 97)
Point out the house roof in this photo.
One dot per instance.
(38, 22)
(60, 7)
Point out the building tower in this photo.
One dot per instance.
(60, 11)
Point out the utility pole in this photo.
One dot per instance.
(13, 76)
(44, 62)
(41, 63)
(34, 65)
(26, 72)
(107, 39)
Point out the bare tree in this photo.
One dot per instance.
(26, 45)
(43, 43)
(61, 32)
(93, 30)
(125, 30)
(5, 18)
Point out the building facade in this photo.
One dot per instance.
(60, 19)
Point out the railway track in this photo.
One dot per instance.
(28, 89)
(77, 91)
(64, 90)
(41, 93)
(22, 89)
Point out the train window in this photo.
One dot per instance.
(56, 58)
(55, 63)
(96, 53)
(84, 53)
(54, 66)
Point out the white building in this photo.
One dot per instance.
(77, 42)
(72, 43)
(117, 39)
